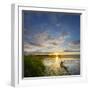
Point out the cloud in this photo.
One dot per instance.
(65, 33)
(44, 41)
(56, 41)
(36, 39)
(74, 45)
(28, 47)
(40, 39)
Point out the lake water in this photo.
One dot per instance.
(65, 66)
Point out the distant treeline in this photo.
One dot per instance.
(60, 56)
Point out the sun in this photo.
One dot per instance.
(56, 57)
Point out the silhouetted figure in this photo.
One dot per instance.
(64, 67)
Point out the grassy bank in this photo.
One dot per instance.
(33, 66)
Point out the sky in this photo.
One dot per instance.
(51, 32)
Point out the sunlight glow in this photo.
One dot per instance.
(56, 64)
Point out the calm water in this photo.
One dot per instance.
(65, 66)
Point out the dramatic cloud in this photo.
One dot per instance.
(50, 32)
(43, 41)
(74, 45)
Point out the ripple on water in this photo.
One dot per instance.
(72, 65)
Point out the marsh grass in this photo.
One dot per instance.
(33, 66)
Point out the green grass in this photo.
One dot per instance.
(33, 66)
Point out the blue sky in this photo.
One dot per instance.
(51, 31)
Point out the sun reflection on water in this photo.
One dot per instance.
(57, 61)
(53, 64)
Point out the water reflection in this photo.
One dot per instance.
(61, 66)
